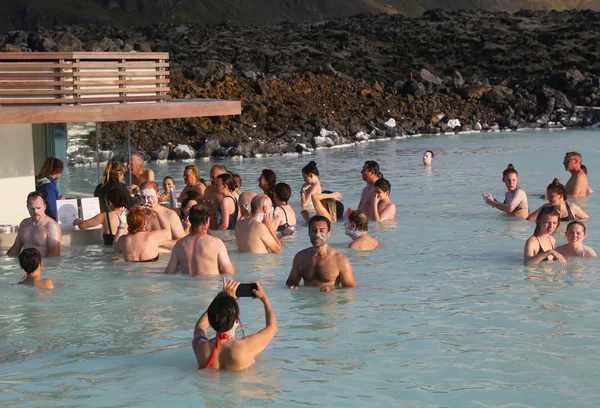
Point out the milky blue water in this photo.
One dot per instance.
(444, 314)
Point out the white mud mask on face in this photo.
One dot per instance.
(352, 232)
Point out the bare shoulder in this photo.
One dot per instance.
(45, 284)
(303, 254)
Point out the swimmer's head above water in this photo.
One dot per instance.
(357, 224)
(510, 177)
(547, 221)
(319, 230)
(224, 314)
(428, 157)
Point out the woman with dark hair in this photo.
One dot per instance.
(117, 203)
(267, 181)
(225, 352)
(51, 171)
(540, 246)
(284, 215)
(228, 211)
(515, 199)
(556, 194)
(184, 216)
(311, 185)
(140, 245)
(112, 179)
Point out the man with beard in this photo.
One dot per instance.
(40, 231)
(321, 265)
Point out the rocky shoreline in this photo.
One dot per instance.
(317, 85)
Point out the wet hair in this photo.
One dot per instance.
(136, 220)
(34, 194)
(557, 188)
(237, 179)
(311, 168)
(151, 184)
(169, 178)
(572, 223)
(51, 166)
(30, 259)
(373, 166)
(111, 171)
(271, 179)
(430, 151)
(194, 169)
(317, 218)
(118, 198)
(198, 216)
(333, 206)
(549, 211)
(510, 169)
(227, 180)
(360, 219)
(283, 192)
(584, 168)
(383, 184)
(222, 312)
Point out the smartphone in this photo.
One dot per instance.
(245, 290)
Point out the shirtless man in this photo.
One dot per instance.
(357, 228)
(370, 174)
(321, 265)
(31, 262)
(139, 174)
(245, 200)
(199, 253)
(256, 233)
(577, 186)
(382, 208)
(149, 195)
(39, 231)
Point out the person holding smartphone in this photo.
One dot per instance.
(225, 351)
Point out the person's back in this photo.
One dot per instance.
(256, 233)
(231, 355)
(364, 243)
(199, 254)
(31, 262)
(139, 247)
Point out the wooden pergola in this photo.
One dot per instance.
(68, 87)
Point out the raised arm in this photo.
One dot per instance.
(320, 209)
(118, 242)
(269, 237)
(89, 223)
(256, 343)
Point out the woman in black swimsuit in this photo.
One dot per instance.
(285, 217)
(117, 202)
(228, 211)
(557, 194)
(540, 246)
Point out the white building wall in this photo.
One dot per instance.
(17, 172)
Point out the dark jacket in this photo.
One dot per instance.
(47, 187)
(102, 190)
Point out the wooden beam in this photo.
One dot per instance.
(119, 112)
(50, 56)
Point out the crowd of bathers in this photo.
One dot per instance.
(139, 220)
(541, 246)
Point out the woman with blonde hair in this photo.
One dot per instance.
(541, 245)
(328, 205)
(50, 172)
(112, 178)
(193, 182)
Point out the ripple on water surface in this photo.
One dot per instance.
(444, 313)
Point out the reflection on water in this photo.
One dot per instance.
(445, 313)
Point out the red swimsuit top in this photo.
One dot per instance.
(217, 344)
